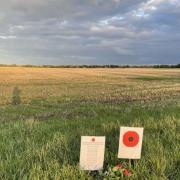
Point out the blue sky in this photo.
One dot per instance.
(90, 32)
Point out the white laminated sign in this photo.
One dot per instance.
(130, 142)
(92, 152)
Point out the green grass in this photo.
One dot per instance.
(49, 149)
(40, 135)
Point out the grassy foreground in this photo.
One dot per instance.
(40, 138)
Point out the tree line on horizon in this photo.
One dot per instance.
(94, 66)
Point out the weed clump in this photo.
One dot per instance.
(16, 99)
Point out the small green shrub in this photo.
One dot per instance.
(16, 99)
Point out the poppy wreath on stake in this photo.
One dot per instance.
(130, 142)
(131, 138)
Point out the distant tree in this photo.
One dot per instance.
(94, 66)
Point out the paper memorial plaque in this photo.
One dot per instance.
(92, 152)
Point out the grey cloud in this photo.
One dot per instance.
(89, 32)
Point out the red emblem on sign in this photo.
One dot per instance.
(131, 138)
(93, 139)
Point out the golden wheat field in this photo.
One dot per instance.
(99, 84)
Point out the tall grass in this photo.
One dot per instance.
(50, 149)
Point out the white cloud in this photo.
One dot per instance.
(8, 37)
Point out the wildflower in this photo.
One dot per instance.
(127, 173)
(119, 166)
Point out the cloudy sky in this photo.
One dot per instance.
(90, 31)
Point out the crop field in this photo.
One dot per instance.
(45, 111)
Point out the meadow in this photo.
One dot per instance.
(40, 135)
